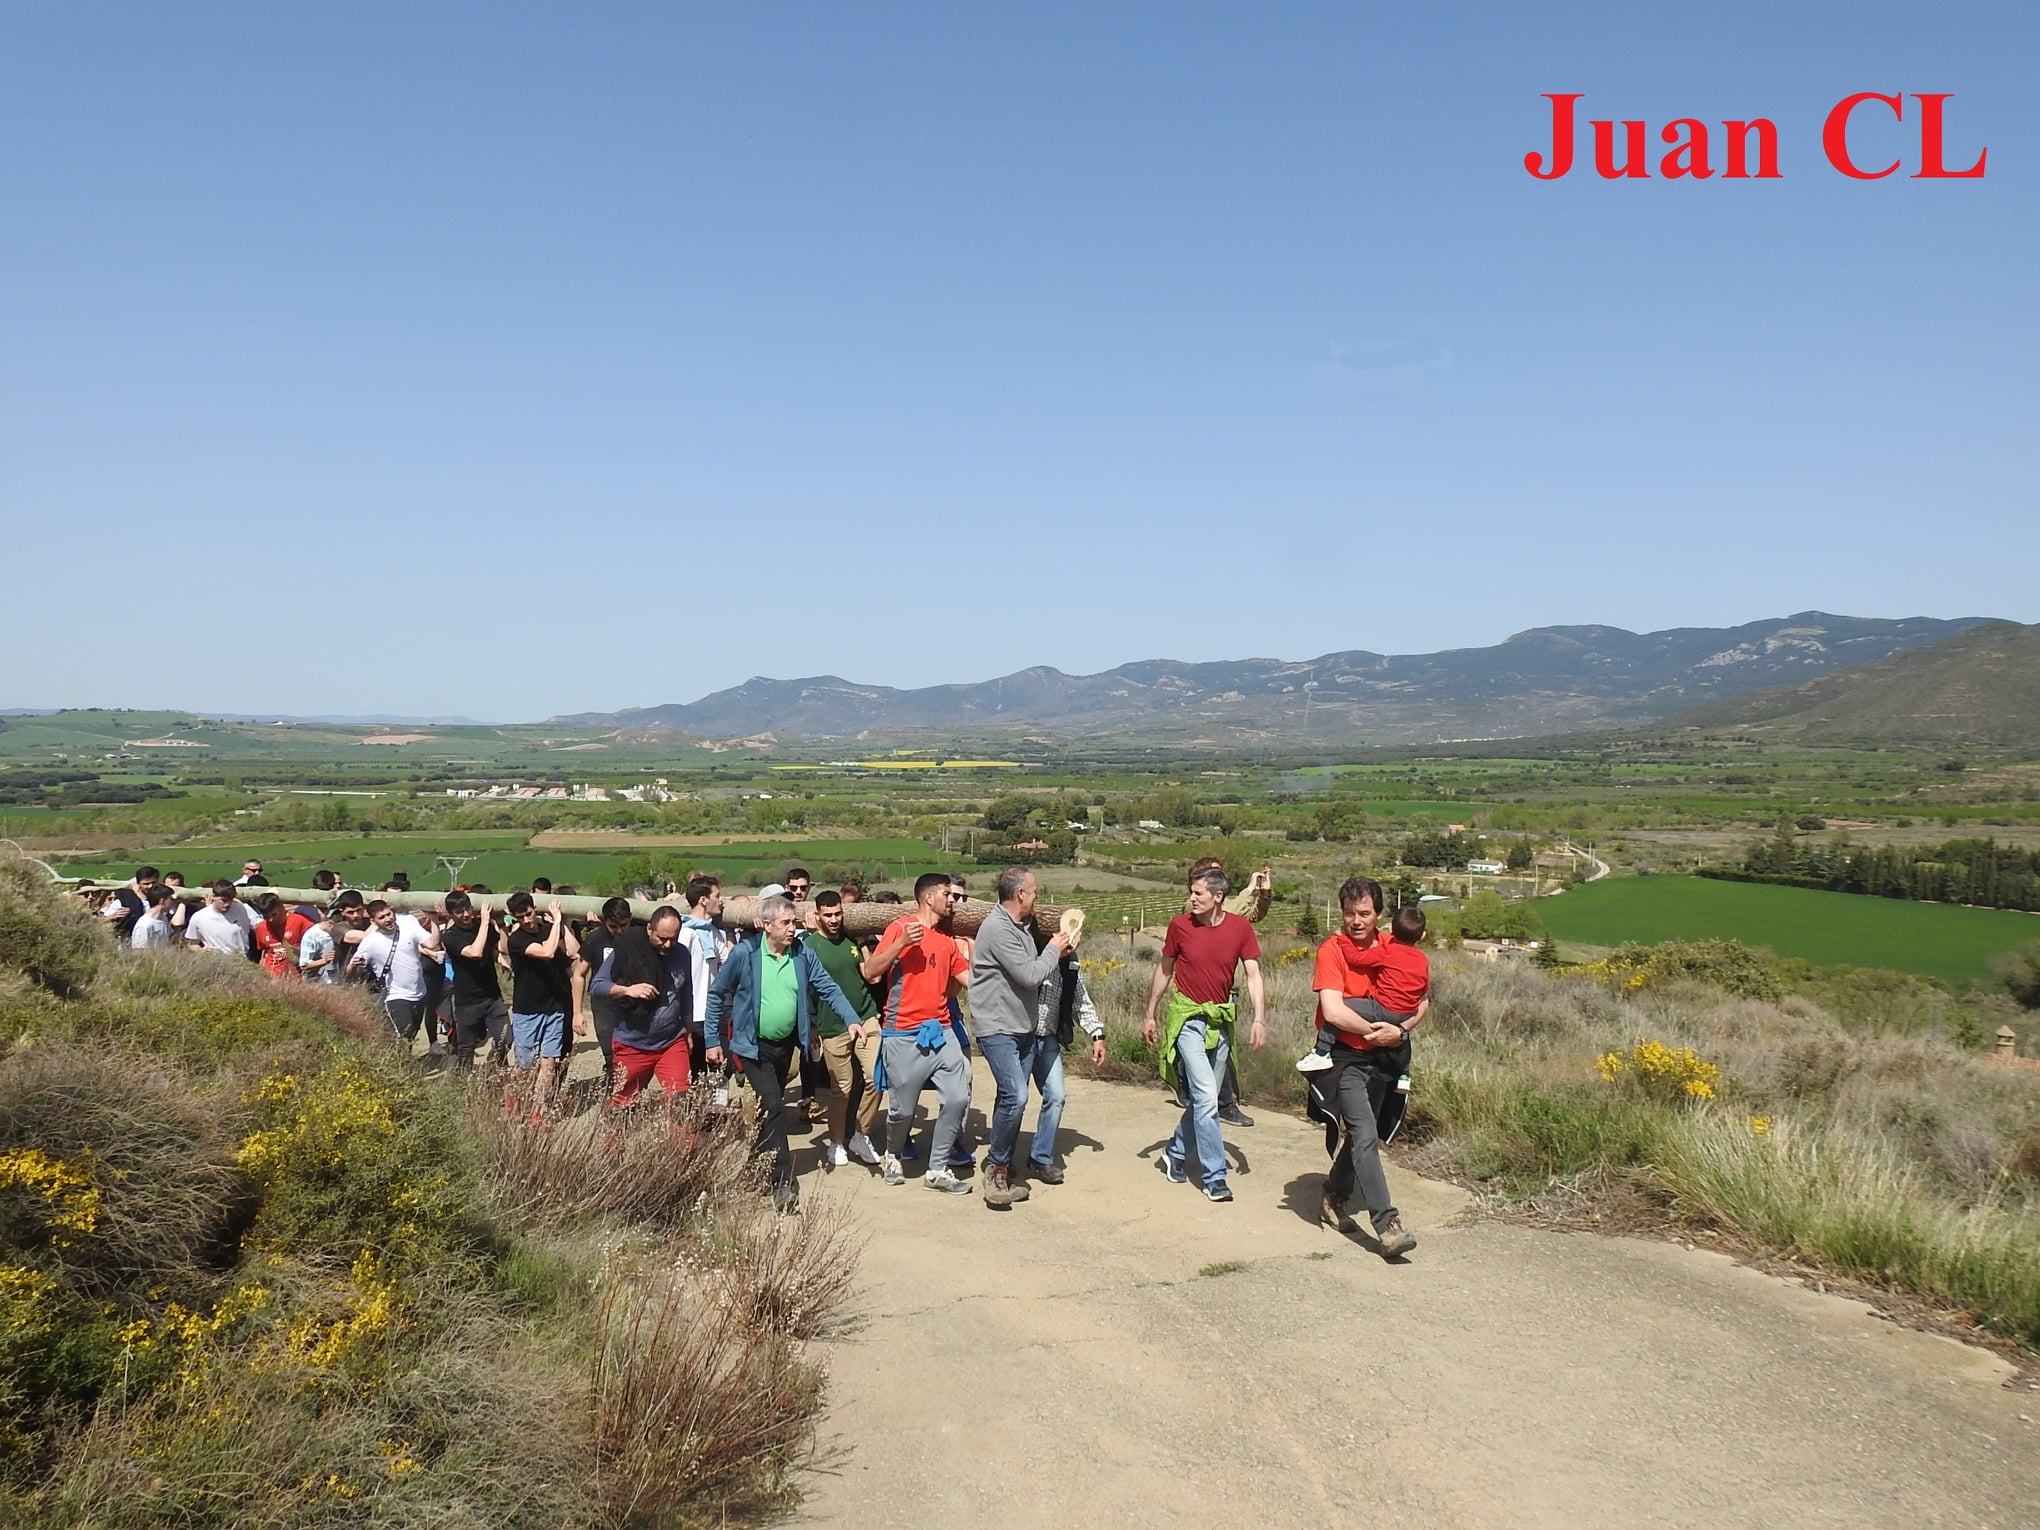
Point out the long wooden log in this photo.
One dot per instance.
(860, 920)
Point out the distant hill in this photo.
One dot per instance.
(1543, 681)
(1979, 688)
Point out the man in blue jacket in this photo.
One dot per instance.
(758, 1012)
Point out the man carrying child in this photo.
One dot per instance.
(1363, 982)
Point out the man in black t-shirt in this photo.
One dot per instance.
(598, 1013)
(473, 944)
(542, 952)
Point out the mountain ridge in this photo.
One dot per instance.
(1542, 680)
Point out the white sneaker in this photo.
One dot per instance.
(947, 1183)
(1317, 1062)
(836, 1157)
(862, 1150)
(891, 1171)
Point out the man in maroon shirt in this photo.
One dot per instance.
(1199, 955)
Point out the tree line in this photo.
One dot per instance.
(1980, 872)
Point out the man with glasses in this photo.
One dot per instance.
(647, 975)
(225, 925)
(251, 871)
(798, 884)
(393, 956)
(918, 1047)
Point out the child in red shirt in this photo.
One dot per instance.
(1402, 981)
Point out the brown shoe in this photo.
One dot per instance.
(998, 1186)
(1332, 1212)
(1047, 1173)
(1394, 1239)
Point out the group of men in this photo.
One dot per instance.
(793, 1003)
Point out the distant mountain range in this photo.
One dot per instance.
(1980, 688)
(1547, 680)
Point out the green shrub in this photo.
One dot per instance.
(46, 935)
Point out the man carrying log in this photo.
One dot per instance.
(918, 1047)
(1006, 974)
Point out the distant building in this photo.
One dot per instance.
(1487, 868)
(1151, 823)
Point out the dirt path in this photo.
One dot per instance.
(1066, 1364)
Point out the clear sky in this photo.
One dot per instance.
(508, 360)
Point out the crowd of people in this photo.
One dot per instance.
(849, 1031)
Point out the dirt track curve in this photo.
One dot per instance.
(1066, 1364)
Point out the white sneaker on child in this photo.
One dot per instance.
(1317, 1062)
(836, 1157)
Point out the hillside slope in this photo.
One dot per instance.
(1979, 688)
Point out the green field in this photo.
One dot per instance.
(1937, 940)
(499, 858)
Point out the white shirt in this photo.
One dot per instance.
(152, 930)
(396, 960)
(226, 933)
(706, 950)
(318, 941)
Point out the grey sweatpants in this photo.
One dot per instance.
(907, 1069)
(1360, 1094)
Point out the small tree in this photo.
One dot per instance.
(1308, 926)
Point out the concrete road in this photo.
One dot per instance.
(1068, 1363)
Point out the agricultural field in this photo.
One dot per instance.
(1936, 940)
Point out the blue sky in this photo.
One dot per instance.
(508, 360)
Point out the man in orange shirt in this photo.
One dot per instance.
(917, 1047)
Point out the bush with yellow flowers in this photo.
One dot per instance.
(1660, 1071)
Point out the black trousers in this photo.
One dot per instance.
(767, 1077)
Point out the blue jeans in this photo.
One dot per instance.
(1200, 1071)
(1014, 1060)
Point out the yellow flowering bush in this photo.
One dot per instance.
(61, 1194)
(1661, 1071)
(1101, 967)
(1294, 955)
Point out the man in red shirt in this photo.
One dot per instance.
(917, 1047)
(1199, 955)
(277, 934)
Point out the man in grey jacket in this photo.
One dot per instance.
(1006, 974)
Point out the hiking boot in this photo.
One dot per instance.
(1016, 1185)
(1232, 1115)
(860, 1148)
(1317, 1062)
(1394, 1239)
(1047, 1173)
(947, 1183)
(889, 1169)
(1332, 1212)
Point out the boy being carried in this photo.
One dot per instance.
(1402, 981)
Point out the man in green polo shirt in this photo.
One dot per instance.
(849, 1052)
(758, 1009)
